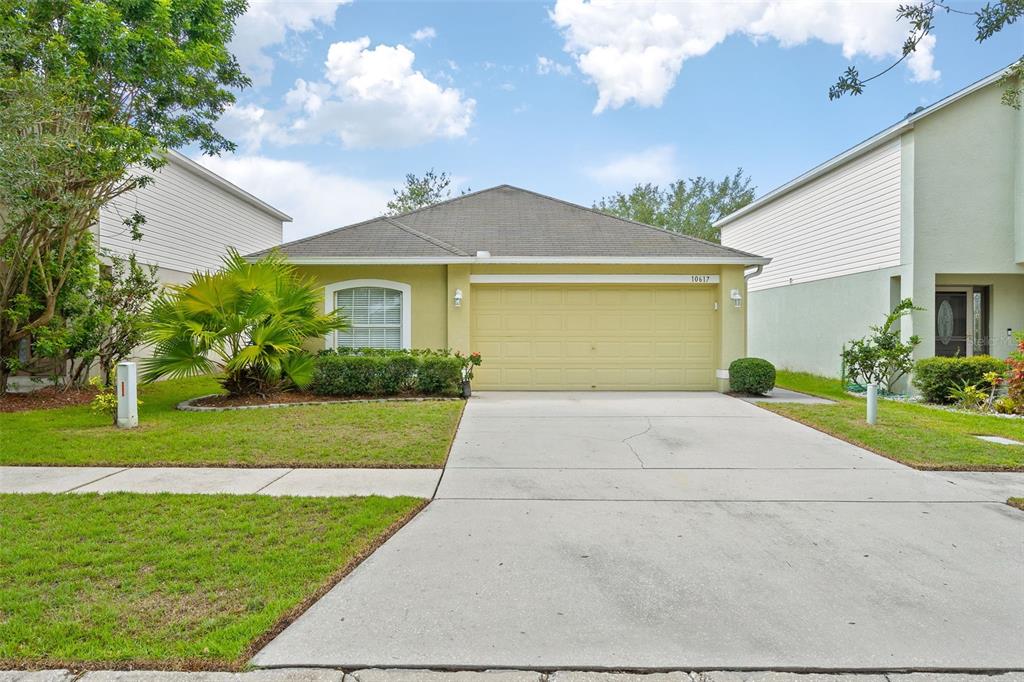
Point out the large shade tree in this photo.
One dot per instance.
(92, 95)
(686, 206)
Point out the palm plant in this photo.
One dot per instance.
(247, 320)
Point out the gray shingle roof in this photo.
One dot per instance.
(508, 222)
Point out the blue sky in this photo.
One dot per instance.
(569, 98)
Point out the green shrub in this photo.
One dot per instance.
(937, 377)
(347, 375)
(382, 372)
(439, 375)
(751, 375)
(397, 373)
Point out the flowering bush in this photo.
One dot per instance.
(468, 363)
(1015, 377)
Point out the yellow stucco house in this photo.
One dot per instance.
(555, 296)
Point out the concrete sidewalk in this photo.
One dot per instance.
(394, 675)
(212, 480)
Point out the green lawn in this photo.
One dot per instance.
(388, 434)
(170, 581)
(1017, 502)
(922, 437)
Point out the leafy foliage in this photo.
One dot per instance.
(420, 192)
(248, 320)
(751, 375)
(91, 96)
(1015, 377)
(373, 372)
(105, 400)
(883, 357)
(937, 377)
(989, 20)
(685, 206)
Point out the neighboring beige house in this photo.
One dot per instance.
(192, 217)
(553, 295)
(931, 209)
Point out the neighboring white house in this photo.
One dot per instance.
(192, 217)
(931, 209)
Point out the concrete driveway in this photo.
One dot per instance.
(676, 530)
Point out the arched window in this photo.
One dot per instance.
(378, 311)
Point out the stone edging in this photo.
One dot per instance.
(188, 406)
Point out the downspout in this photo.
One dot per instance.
(758, 269)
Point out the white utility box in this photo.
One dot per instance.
(127, 395)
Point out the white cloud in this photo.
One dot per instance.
(922, 62)
(546, 66)
(507, 87)
(269, 22)
(370, 97)
(316, 198)
(634, 51)
(654, 164)
(425, 33)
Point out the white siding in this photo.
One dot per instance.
(844, 222)
(190, 222)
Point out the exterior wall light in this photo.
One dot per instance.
(458, 298)
(735, 297)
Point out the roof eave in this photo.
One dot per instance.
(527, 260)
(867, 145)
(231, 188)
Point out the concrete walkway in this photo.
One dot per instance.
(677, 531)
(378, 675)
(210, 480)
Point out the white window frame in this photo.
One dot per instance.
(330, 341)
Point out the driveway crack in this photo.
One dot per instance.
(630, 445)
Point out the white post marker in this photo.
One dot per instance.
(127, 396)
(872, 403)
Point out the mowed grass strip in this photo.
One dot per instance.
(372, 434)
(1017, 502)
(916, 435)
(169, 581)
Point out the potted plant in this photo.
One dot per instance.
(468, 363)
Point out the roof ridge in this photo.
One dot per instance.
(426, 237)
(464, 195)
(680, 235)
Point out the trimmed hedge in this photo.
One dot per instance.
(751, 375)
(936, 377)
(377, 372)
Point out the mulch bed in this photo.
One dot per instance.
(288, 397)
(48, 398)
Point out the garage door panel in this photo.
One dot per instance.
(594, 336)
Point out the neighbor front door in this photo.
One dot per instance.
(951, 308)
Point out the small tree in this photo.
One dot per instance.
(247, 320)
(420, 192)
(882, 358)
(113, 324)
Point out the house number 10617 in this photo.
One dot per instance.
(702, 279)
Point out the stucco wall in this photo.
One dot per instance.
(964, 203)
(437, 323)
(803, 326)
(429, 294)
